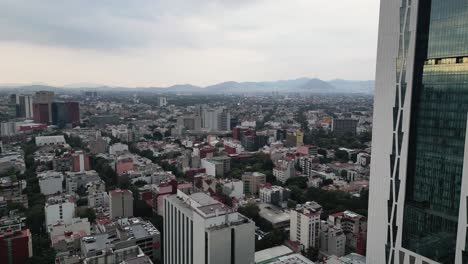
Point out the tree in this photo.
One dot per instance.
(344, 173)
(327, 182)
(300, 182)
(272, 239)
(250, 210)
(342, 155)
(87, 213)
(312, 253)
(291, 204)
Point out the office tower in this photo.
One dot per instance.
(65, 113)
(201, 230)
(42, 107)
(121, 203)
(344, 126)
(419, 184)
(162, 101)
(217, 119)
(23, 105)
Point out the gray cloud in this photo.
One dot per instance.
(103, 24)
(162, 42)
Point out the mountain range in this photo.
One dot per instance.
(301, 85)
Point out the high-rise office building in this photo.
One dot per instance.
(201, 230)
(23, 105)
(65, 113)
(42, 107)
(419, 174)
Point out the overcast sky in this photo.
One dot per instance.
(202, 42)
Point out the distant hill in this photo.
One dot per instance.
(301, 85)
(353, 86)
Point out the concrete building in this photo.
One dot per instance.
(332, 239)
(98, 199)
(50, 140)
(15, 246)
(192, 122)
(233, 188)
(305, 225)
(121, 203)
(216, 166)
(24, 106)
(201, 230)
(344, 126)
(118, 148)
(42, 107)
(419, 174)
(15, 240)
(217, 119)
(50, 182)
(284, 170)
(122, 233)
(76, 180)
(59, 210)
(275, 195)
(253, 181)
(355, 228)
(162, 101)
(65, 114)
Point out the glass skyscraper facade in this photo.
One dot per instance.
(421, 153)
(437, 131)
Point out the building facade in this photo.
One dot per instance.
(418, 183)
(120, 203)
(201, 230)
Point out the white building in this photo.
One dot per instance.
(98, 199)
(76, 225)
(162, 101)
(59, 209)
(201, 230)
(305, 225)
(121, 203)
(284, 170)
(50, 182)
(118, 148)
(233, 188)
(50, 140)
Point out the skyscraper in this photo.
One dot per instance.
(23, 105)
(419, 179)
(42, 107)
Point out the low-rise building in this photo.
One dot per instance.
(253, 181)
(275, 195)
(305, 225)
(50, 182)
(332, 239)
(284, 170)
(59, 209)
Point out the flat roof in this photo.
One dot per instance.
(271, 253)
(273, 214)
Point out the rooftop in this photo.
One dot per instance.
(271, 253)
